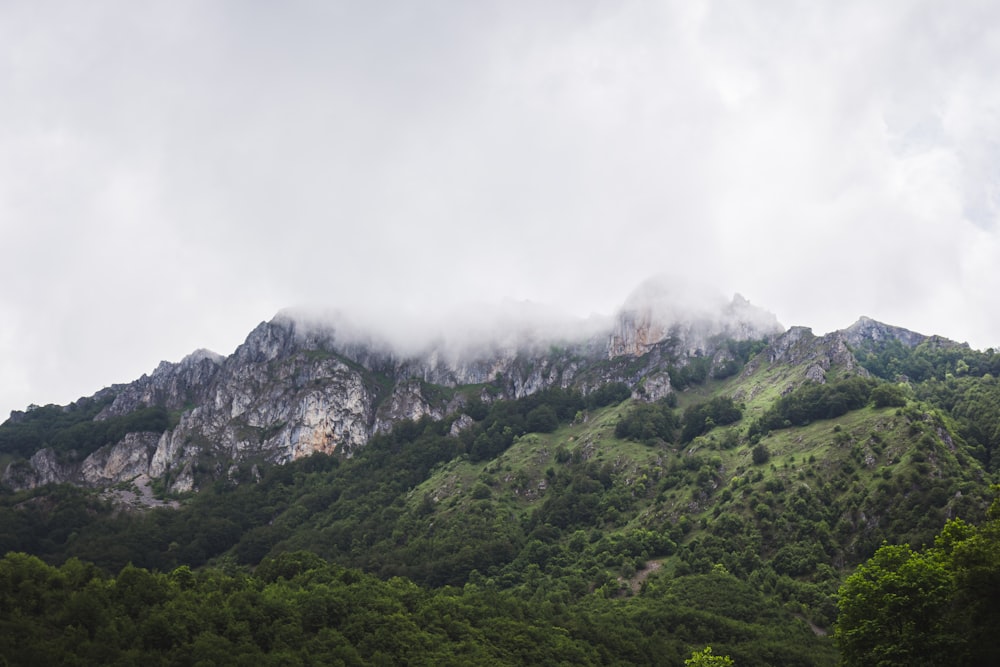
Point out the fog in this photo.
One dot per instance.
(458, 333)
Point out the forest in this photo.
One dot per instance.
(560, 528)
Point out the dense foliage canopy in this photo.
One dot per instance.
(940, 606)
(813, 401)
(297, 609)
(73, 432)
(561, 527)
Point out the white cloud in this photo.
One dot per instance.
(172, 173)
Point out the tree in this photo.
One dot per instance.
(702, 418)
(939, 607)
(542, 419)
(760, 455)
(893, 610)
(704, 658)
(888, 396)
(648, 423)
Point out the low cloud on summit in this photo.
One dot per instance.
(465, 331)
(171, 174)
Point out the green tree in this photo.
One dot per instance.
(760, 455)
(893, 610)
(702, 418)
(938, 607)
(888, 396)
(542, 419)
(705, 658)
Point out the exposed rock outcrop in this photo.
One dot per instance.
(656, 314)
(121, 462)
(800, 356)
(867, 331)
(173, 386)
(112, 464)
(300, 385)
(406, 402)
(304, 383)
(42, 468)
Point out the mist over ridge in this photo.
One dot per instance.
(465, 329)
(535, 316)
(660, 305)
(328, 380)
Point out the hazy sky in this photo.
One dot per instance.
(172, 173)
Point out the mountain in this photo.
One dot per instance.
(305, 383)
(687, 474)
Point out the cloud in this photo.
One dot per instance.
(455, 332)
(171, 174)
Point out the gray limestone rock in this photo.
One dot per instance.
(123, 461)
(301, 385)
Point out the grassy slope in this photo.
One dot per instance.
(838, 486)
(831, 491)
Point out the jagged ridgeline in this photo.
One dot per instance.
(688, 474)
(305, 383)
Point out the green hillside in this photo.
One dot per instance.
(593, 529)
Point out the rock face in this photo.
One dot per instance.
(292, 389)
(867, 331)
(655, 314)
(406, 402)
(173, 386)
(122, 461)
(300, 385)
(799, 347)
(798, 356)
(832, 350)
(42, 468)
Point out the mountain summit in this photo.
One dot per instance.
(660, 310)
(307, 382)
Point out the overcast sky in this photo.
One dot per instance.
(173, 173)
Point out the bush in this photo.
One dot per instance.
(813, 401)
(761, 455)
(888, 396)
(542, 419)
(648, 422)
(702, 418)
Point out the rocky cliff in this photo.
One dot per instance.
(112, 464)
(655, 314)
(302, 384)
(867, 332)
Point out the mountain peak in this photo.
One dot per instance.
(867, 331)
(200, 355)
(665, 307)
